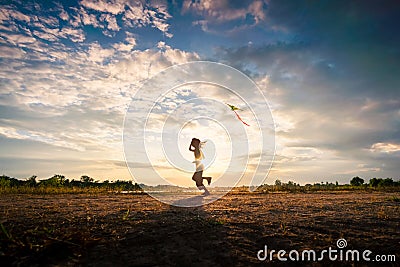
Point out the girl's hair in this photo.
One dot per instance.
(201, 144)
(195, 141)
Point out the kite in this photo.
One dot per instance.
(233, 108)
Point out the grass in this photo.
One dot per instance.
(126, 215)
(54, 229)
(3, 229)
(393, 198)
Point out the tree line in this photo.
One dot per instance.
(356, 183)
(61, 182)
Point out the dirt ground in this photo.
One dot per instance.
(136, 230)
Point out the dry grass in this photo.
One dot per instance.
(136, 230)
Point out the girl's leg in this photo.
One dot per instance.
(197, 177)
(206, 192)
(208, 179)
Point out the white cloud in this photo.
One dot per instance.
(11, 52)
(114, 7)
(75, 18)
(4, 15)
(78, 104)
(141, 65)
(139, 15)
(111, 22)
(134, 14)
(45, 36)
(18, 39)
(385, 148)
(49, 21)
(126, 46)
(176, 56)
(75, 35)
(98, 54)
(217, 12)
(42, 27)
(8, 13)
(64, 15)
(110, 16)
(89, 19)
(48, 138)
(257, 10)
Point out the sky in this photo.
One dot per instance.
(329, 70)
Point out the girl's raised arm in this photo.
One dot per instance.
(190, 148)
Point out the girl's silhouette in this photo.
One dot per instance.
(195, 146)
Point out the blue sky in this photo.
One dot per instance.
(329, 70)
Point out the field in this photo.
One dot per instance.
(136, 230)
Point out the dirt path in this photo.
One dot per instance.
(136, 230)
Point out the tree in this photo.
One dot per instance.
(56, 180)
(86, 179)
(357, 181)
(5, 181)
(31, 181)
(374, 182)
(386, 182)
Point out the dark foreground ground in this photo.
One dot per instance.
(136, 230)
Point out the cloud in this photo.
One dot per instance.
(141, 65)
(114, 7)
(13, 133)
(98, 54)
(88, 19)
(64, 15)
(133, 14)
(19, 39)
(331, 88)
(221, 11)
(155, 15)
(7, 13)
(331, 79)
(385, 148)
(111, 22)
(71, 100)
(11, 52)
(213, 13)
(46, 167)
(75, 35)
(125, 46)
(40, 26)
(54, 21)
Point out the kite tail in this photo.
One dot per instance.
(237, 115)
